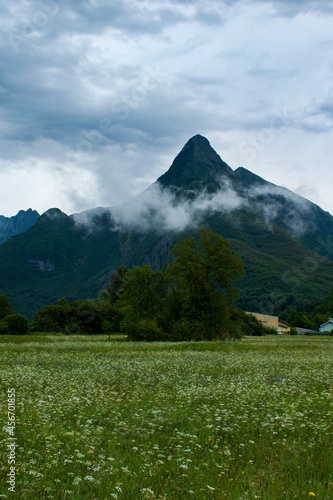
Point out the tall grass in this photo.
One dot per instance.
(101, 419)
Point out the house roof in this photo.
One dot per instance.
(283, 323)
(304, 330)
(330, 321)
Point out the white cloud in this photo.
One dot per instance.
(158, 208)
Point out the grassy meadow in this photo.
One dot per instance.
(100, 418)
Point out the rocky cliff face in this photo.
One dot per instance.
(10, 226)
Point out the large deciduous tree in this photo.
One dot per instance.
(202, 278)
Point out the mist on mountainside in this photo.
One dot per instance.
(200, 183)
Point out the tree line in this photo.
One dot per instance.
(11, 323)
(192, 298)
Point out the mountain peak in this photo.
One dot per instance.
(19, 223)
(53, 214)
(196, 167)
(198, 140)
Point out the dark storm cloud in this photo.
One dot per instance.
(48, 72)
(111, 90)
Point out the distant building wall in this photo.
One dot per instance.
(267, 320)
(283, 327)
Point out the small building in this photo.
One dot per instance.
(327, 327)
(272, 322)
(267, 319)
(283, 327)
(304, 331)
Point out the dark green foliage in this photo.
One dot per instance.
(53, 318)
(246, 323)
(17, 324)
(303, 319)
(113, 302)
(80, 316)
(310, 314)
(5, 307)
(191, 300)
(4, 330)
(202, 278)
(110, 312)
(116, 284)
(11, 323)
(148, 330)
(142, 301)
(87, 317)
(269, 330)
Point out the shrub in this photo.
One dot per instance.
(53, 318)
(17, 324)
(269, 330)
(80, 316)
(3, 328)
(185, 329)
(146, 329)
(235, 332)
(86, 317)
(245, 324)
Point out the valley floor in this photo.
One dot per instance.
(99, 419)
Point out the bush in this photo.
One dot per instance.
(243, 323)
(3, 328)
(146, 329)
(17, 324)
(235, 332)
(80, 316)
(53, 318)
(86, 317)
(185, 329)
(269, 330)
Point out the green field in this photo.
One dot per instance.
(103, 419)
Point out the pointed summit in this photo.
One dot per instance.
(196, 167)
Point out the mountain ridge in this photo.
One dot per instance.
(19, 223)
(284, 240)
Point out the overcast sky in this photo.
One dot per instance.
(98, 97)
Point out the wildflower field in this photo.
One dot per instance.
(102, 419)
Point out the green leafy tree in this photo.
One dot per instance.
(115, 289)
(17, 324)
(110, 312)
(80, 316)
(86, 317)
(53, 317)
(5, 307)
(142, 303)
(202, 277)
(116, 284)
